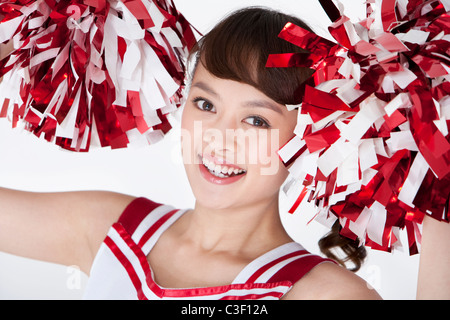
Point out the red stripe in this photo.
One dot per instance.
(135, 212)
(208, 291)
(254, 296)
(133, 247)
(296, 269)
(128, 267)
(142, 260)
(180, 293)
(267, 266)
(189, 292)
(299, 200)
(149, 233)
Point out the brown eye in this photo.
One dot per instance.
(204, 105)
(257, 122)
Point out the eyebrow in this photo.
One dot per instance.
(263, 104)
(252, 103)
(205, 87)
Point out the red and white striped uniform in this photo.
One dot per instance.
(121, 269)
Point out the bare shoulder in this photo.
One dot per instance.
(329, 281)
(102, 209)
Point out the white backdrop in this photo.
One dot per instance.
(28, 163)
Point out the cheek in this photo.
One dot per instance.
(264, 154)
(188, 138)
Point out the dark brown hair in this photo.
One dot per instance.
(237, 49)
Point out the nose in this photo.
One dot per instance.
(220, 138)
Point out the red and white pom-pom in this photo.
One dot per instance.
(372, 144)
(81, 71)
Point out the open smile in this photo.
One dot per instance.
(218, 172)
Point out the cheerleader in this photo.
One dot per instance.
(231, 244)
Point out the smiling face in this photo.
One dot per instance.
(235, 119)
(231, 135)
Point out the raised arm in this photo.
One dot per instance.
(434, 278)
(65, 228)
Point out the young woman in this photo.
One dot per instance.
(231, 245)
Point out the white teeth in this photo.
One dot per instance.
(220, 171)
(205, 162)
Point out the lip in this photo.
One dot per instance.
(217, 180)
(220, 161)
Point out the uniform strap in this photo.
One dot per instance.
(289, 262)
(135, 212)
(297, 268)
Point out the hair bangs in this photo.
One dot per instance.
(238, 48)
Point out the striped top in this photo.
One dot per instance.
(121, 270)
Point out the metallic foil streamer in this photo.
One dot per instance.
(81, 71)
(376, 122)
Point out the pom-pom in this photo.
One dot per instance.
(81, 71)
(372, 144)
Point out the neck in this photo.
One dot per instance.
(237, 229)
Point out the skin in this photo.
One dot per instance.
(233, 224)
(434, 279)
(229, 226)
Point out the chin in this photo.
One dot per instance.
(217, 197)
